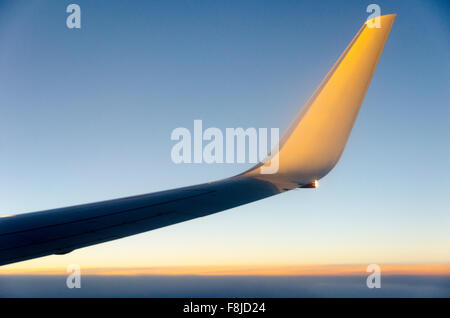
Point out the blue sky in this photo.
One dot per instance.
(86, 115)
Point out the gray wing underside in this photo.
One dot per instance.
(60, 231)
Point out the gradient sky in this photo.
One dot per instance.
(86, 115)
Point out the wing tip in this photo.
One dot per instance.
(384, 18)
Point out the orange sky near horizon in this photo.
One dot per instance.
(244, 270)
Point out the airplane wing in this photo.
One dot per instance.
(308, 150)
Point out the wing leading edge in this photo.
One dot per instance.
(308, 150)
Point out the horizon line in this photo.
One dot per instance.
(242, 270)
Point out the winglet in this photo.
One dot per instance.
(315, 140)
